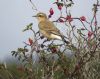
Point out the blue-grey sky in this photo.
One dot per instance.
(15, 14)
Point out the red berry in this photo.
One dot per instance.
(30, 41)
(95, 23)
(82, 18)
(61, 20)
(60, 7)
(53, 50)
(69, 18)
(90, 34)
(51, 11)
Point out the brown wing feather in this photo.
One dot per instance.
(49, 27)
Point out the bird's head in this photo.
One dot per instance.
(41, 16)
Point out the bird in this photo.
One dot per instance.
(47, 28)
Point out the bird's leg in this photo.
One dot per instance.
(42, 45)
(38, 32)
(40, 36)
(67, 42)
(52, 42)
(46, 40)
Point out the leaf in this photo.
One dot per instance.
(78, 31)
(28, 27)
(16, 54)
(20, 49)
(13, 52)
(69, 5)
(23, 60)
(19, 58)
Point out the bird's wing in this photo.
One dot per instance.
(49, 27)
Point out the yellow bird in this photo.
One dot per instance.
(47, 28)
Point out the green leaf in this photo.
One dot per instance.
(13, 52)
(16, 55)
(28, 27)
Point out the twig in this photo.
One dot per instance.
(34, 7)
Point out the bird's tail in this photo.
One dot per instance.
(65, 41)
(60, 37)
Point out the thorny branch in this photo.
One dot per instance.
(83, 50)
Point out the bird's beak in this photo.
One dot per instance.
(34, 16)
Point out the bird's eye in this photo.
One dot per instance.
(40, 16)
